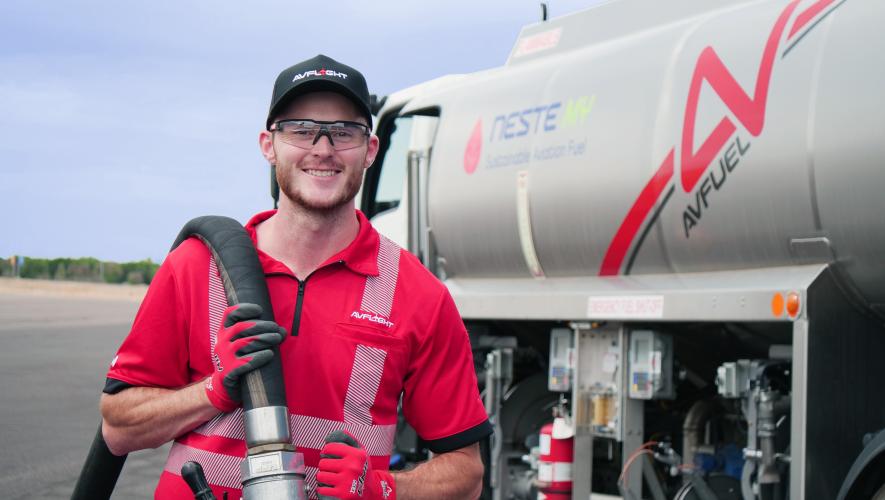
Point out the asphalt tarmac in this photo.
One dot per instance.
(54, 352)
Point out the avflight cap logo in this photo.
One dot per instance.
(320, 72)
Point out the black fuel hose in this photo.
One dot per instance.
(100, 471)
(243, 279)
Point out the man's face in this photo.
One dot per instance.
(319, 179)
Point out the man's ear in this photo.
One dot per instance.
(371, 151)
(265, 143)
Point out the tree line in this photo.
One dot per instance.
(82, 269)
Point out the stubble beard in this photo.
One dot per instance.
(291, 189)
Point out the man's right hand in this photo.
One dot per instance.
(243, 344)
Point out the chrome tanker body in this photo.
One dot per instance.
(664, 220)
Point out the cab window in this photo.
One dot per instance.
(384, 184)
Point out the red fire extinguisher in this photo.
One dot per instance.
(557, 445)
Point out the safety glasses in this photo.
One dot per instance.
(305, 133)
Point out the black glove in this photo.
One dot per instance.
(243, 344)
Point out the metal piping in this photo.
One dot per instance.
(692, 428)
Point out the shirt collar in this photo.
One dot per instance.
(360, 256)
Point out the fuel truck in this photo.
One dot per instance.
(664, 226)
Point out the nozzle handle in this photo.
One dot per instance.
(193, 475)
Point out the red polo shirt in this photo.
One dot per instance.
(372, 324)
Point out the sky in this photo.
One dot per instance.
(120, 121)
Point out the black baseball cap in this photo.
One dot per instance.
(317, 74)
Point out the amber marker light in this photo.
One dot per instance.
(793, 304)
(777, 304)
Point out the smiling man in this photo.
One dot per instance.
(367, 327)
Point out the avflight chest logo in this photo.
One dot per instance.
(698, 164)
(372, 318)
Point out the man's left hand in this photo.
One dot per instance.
(345, 472)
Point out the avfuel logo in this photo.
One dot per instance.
(714, 179)
(695, 162)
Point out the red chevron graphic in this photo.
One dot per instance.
(750, 111)
(617, 249)
(809, 14)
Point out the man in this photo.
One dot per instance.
(367, 327)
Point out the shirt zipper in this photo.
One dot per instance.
(299, 300)
(296, 320)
